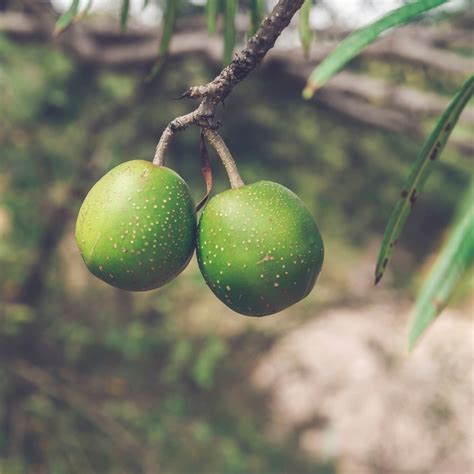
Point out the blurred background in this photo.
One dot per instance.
(95, 380)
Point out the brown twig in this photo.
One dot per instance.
(213, 93)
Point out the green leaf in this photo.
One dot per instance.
(257, 9)
(229, 29)
(358, 40)
(420, 171)
(455, 258)
(85, 11)
(124, 14)
(306, 35)
(67, 17)
(212, 9)
(169, 22)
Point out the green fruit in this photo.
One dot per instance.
(136, 227)
(258, 248)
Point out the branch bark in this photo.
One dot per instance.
(215, 92)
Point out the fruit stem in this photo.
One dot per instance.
(216, 141)
(163, 144)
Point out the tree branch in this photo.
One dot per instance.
(215, 92)
(103, 45)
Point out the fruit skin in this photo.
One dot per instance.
(259, 248)
(136, 228)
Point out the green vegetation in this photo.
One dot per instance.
(94, 379)
(419, 173)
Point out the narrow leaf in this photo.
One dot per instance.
(124, 14)
(85, 11)
(229, 29)
(169, 22)
(358, 40)
(67, 17)
(455, 258)
(420, 171)
(304, 28)
(212, 8)
(206, 171)
(256, 15)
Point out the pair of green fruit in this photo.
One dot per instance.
(258, 247)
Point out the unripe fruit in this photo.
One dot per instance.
(258, 248)
(136, 227)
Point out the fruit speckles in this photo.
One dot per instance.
(136, 227)
(273, 251)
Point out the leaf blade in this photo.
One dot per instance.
(230, 13)
(169, 21)
(455, 258)
(256, 15)
(419, 173)
(304, 27)
(206, 171)
(354, 43)
(67, 17)
(212, 9)
(85, 11)
(124, 11)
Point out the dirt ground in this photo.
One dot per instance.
(345, 383)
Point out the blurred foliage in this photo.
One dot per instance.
(455, 260)
(93, 379)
